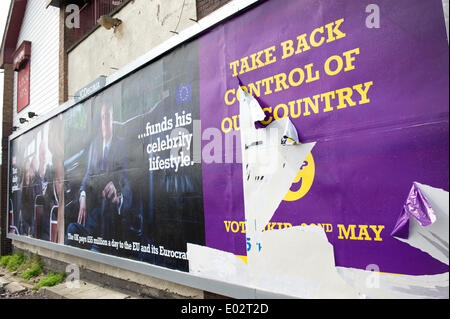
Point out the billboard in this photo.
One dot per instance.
(341, 174)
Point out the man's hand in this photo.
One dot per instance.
(110, 192)
(82, 213)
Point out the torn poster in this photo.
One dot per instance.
(268, 167)
(297, 261)
(423, 222)
(373, 284)
(294, 262)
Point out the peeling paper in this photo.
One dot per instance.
(424, 221)
(416, 206)
(296, 261)
(268, 165)
(217, 264)
(299, 261)
(377, 285)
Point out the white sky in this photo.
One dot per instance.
(4, 8)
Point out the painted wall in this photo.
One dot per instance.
(40, 26)
(145, 24)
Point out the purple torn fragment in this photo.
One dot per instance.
(416, 206)
(401, 228)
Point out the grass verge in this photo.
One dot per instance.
(12, 262)
(51, 279)
(29, 267)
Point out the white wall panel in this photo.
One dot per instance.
(40, 26)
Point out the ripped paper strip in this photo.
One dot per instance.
(424, 221)
(378, 285)
(416, 206)
(296, 261)
(290, 136)
(268, 166)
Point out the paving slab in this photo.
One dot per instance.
(15, 288)
(84, 291)
(52, 293)
(4, 282)
(26, 285)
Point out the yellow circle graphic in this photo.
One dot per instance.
(303, 181)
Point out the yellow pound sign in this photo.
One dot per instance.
(303, 181)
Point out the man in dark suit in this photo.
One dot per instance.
(105, 193)
(43, 187)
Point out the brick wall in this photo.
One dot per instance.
(5, 244)
(66, 37)
(205, 7)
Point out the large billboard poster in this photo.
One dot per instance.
(160, 167)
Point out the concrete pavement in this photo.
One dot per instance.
(82, 290)
(12, 286)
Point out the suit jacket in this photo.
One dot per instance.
(101, 170)
(44, 187)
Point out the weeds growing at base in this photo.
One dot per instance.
(30, 267)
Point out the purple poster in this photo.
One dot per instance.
(374, 98)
